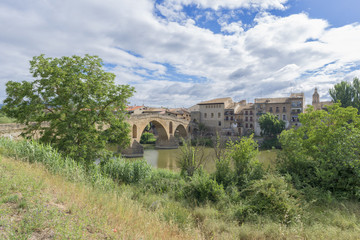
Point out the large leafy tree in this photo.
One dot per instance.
(324, 151)
(270, 125)
(348, 94)
(72, 104)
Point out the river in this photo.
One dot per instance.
(167, 158)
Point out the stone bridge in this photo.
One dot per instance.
(167, 127)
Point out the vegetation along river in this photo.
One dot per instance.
(166, 158)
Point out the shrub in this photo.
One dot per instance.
(202, 188)
(126, 171)
(147, 138)
(163, 181)
(324, 151)
(223, 173)
(191, 158)
(271, 196)
(243, 154)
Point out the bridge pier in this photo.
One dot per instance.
(136, 150)
(172, 143)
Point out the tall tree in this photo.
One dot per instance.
(73, 104)
(348, 94)
(270, 125)
(324, 151)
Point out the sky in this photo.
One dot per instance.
(177, 53)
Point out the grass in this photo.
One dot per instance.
(45, 195)
(4, 119)
(35, 204)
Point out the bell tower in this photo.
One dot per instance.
(315, 97)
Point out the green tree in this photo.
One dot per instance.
(324, 151)
(270, 125)
(348, 94)
(73, 104)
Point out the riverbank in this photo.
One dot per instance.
(35, 204)
(147, 206)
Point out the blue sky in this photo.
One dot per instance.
(180, 52)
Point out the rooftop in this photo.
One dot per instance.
(216, 101)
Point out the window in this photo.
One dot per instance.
(246, 112)
(219, 123)
(284, 117)
(284, 109)
(251, 126)
(251, 113)
(205, 115)
(232, 118)
(212, 115)
(270, 110)
(246, 119)
(277, 109)
(227, 118)
(219, 115)
(246, 125)
(251, 119)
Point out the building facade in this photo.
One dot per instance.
(286, 109)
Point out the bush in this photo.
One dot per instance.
(163, 181)
(147, 138)
(190, 158)
(223, 173)
(270, 143)
(126, 171)
(271, 196)
(324, 151)
(202, 189)
(243, 154)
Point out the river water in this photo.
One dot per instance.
(167, 158)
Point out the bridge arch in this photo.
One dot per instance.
(180, 131)
(160, 128)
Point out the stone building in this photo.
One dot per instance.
(316, 102)
(285, 108)
(135, 109)
(212, 113)
(245, 117)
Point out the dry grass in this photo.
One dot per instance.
(74, 210)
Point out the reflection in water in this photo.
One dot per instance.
(167, 158)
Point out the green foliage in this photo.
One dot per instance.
(147, 138)
(224, 173)
(190, 158)
(324, 151)
(70, 103)
(242, 154)
(270, 125)
(4, 119)
(202, 188)
(346, 93)
(163, 181)
(33, 151)
(126, 171)
(202, 141)
(271, 196)
(270, 143)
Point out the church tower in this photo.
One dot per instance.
(315, 97)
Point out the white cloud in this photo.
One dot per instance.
(230, 4)
(274, 56)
